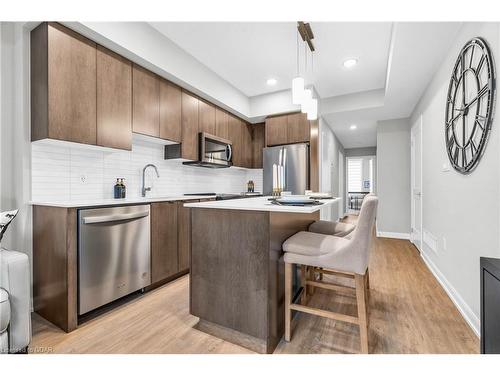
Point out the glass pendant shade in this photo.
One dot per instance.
(297, 90)
(312, 112)
(306, 101)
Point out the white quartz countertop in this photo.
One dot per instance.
(260, 204)
(118, 202)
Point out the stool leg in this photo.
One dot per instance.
(311, 276)
(363, 322)
(367, 276)
(288, 300)
(303, 279)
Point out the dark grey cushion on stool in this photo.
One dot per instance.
(331, 228)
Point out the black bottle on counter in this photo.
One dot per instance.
(117, 189)
(123, 188)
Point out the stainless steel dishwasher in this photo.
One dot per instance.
(114, 257)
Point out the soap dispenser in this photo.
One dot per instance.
(117, 189)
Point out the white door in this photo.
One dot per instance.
(416, 183)
(341, 185)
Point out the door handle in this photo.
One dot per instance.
(111, 218)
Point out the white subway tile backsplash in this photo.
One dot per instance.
(64, 173)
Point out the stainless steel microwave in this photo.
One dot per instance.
(213, 152)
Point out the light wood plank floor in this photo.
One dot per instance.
(409, 313)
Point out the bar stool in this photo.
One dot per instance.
(334, 228)
(345, 257)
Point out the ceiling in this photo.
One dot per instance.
(396, 61)
(246, 54)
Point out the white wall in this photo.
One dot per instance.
(63, 172)
(15, 177)
(462, 212)
(393, 177)
(329, 181)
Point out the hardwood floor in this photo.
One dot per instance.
(409, 312)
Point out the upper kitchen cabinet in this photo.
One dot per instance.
(63, 85)
(276, 131)
(221, 123)
(298, 128)
(190, 126)
(206, 117)
(246, 145)
(258, 143)
(114, 100)
(286, 129)
(235, 135)
(146, 102)
(170, 111)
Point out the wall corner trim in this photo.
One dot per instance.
(464, 309)
(399, 236)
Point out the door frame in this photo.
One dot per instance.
(419, 123)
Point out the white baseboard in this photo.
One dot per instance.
(400, 236)
(471, 318)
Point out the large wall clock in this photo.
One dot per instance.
(469, 105)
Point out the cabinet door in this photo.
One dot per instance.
(258, 143)
(164, 243)
(221, 123)
(246, 140)
(298, 128)
(146, 102)
(234, 135)
(71, 86)
(170, 111)
(276, 131)
(184, 235)
(189, 126)
(207, 117)
(114, 100)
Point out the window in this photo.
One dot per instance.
(354, 175)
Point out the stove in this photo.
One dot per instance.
(224, 196)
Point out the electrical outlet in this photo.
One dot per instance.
(444, 243)
(83, 179)
(446, 166)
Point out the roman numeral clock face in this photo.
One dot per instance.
(469, 105)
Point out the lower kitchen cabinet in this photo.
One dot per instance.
(184, 235)
(164, 241)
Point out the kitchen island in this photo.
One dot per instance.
(237, 270)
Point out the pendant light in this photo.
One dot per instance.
(297, 82)
(300, 95)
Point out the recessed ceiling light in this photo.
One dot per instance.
(349, 63)
(271, 81)
(353, 127)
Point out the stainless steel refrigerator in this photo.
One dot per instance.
(295, 161)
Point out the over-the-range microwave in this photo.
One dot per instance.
(213, 152)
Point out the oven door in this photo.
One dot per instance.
(215, 150)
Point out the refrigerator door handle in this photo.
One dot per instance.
(284, 169)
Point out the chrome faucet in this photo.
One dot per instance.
(144, 188)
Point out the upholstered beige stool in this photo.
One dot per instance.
(332, 228)
(346, 257)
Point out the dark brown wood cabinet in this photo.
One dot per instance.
(63, 85)
(234, 135)
(258, 143)
(221, 123)
(164, 248)
(184, 235)
(276, 131)
(170, 111)
(286, 129)
(298, 128)
(146, 102)
(190, 126)
(206, 117)
(246, 145)
(114, 100)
